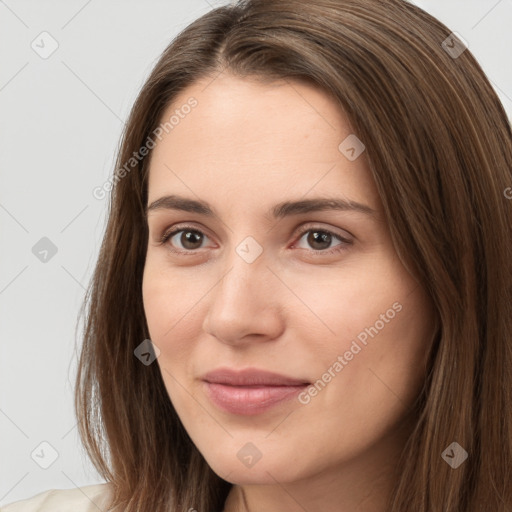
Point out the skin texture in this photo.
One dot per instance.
(245, 147)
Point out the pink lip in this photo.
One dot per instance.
(251, 377)
(250, 391)
(249, 400)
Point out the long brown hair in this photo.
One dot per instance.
(439, 146)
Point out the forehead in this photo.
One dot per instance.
(255, 139)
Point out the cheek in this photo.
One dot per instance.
(155, 294)
(381, 371)
(399, 357)
(340, 306)
(167, 298)
(379, 322)
(168, 315)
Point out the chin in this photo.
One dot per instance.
(266, 470)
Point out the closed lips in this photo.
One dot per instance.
(251, 377)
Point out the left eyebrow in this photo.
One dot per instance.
(278, 211)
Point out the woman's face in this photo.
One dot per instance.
(317, 295)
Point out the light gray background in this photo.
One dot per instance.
(61, 119)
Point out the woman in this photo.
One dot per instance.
(303, 296)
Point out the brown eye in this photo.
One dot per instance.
(320, 240)
(190, 239)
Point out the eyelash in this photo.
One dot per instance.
(338, 248)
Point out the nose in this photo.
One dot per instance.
(245, 303)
